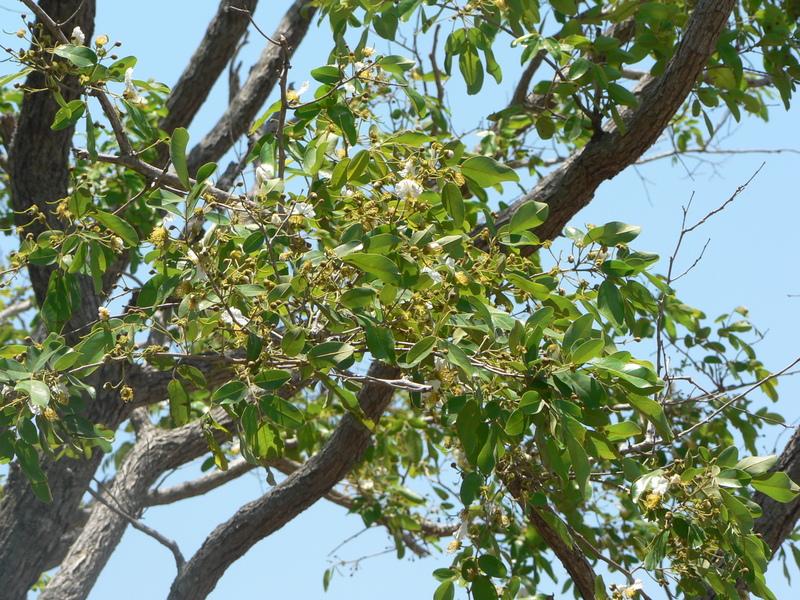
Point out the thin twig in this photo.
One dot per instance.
(755, 386)
(47, 20)
(170, 544)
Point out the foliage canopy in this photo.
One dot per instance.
(240, 325)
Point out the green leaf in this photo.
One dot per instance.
(118, 226)
(329, 75)
(471, 488)
(396, 64)
(483, 589)
(140, 120)
(282, 412)
(359, 297)
(80, 56)
(294, 340)
(529, 215)
(453, 203)
(177, 153)
(179, 407)
(29, 462)
(358, 165)
(36, 390)
(624, 430)
(586, 351)
(445, 591)
(420, 351)
(230, 393)
(272, 379)
(380, 342)
(568, 7)
(330, 354)
(486, 171)
(777, 486)
(622, 95)
(634, 376)
(69, 115)
(375, 264)
(653, 412)
(741, 516)
(612, 234)
(493, 566)
(611, 304)
(756, 465)
(469, 63)
(343, 118)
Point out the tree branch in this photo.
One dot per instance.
(258, 519)
(573, 184)
(218, 46)
(262, 79)
(199, 486)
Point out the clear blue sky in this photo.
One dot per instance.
(751, 260)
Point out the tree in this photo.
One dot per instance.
(367, 312)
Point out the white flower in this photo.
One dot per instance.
(661, 486)
(103, 313)
(77, 37)
(233, 316)
(629, 591)
(450, 263)
(264, 172)
(294, 95)
(35, 408)
(131, 94)
(460, 533)
(407, 189)
(304, 209)
(408, 170)
(437, 278)
(201, 274)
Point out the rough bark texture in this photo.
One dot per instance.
(572, 185)
(258, 519)
(779, 519)
(218, 46)
(263, 76)
(155, 452)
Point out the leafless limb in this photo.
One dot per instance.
(137, 524)
(14, 310)
(258, 519)
(218, 46)
(262, 79)
(199, 486)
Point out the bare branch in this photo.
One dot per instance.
(262, 517)
(14, 310)
(137, 524)
(262, 79)
(573, 184)
(218, 46)
(199, 486)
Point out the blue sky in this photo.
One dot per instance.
(751, 260)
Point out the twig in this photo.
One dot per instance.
(756, 385)
(173, 547)
(284, 102)
(116, 125)
(47, 20)
(199, 486)
(14, 310)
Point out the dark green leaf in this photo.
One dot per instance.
(177, 153)
(179, 407)
(486, 172)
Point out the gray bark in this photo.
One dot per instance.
(258, 519)
(245, 105)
